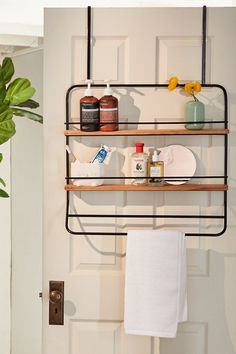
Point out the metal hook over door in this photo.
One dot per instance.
(56, 302)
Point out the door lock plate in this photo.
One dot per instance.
(56, 302)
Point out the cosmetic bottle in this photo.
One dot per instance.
(108, 105)
(101, 154)
(89, 110)
(155, 169)
(139, 165)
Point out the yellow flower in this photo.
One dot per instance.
(192, 87)
(173, 82)
(189, 87)
(197, 86)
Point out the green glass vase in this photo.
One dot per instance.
(195, 113)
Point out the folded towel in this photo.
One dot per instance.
(155, 283)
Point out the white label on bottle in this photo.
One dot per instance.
(90, 115)
(139, 167)
(108, 109)
(155, 171)
(109, 115)
(89, 110)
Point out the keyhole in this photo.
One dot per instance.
(56, 310)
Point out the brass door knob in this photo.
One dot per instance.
(56, 302)
(55, 296)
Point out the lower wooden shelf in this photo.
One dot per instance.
(148, 132)
(164, 188)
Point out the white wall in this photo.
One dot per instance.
(5, 253)
(26, 197)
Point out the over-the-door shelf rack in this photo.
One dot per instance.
(221, 187)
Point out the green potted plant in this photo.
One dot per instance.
(15, 98)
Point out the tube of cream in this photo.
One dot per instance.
(101, 154)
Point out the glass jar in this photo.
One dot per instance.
(194, 112)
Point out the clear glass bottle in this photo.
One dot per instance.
(139, 165)
(155, 169)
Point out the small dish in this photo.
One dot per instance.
(181, 162)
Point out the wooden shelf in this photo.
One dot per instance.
(149, 132)
(132, 187)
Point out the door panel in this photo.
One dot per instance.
(133, 46)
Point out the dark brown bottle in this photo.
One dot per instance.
(89, 111)
(108, 111)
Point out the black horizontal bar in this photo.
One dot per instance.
(97, 233)
(152, 122)
(125, 233)
(139, 85)
(174, 216)
(169, 178)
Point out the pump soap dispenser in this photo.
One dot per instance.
(108, 110)
(89, 110)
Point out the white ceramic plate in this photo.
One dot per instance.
(180, 161)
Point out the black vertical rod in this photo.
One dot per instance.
(89, 43)
(226, 159)
(225, 211)
(67, 127)
(204, 13)
(67, 210)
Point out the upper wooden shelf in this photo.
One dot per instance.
(149, 132)
(164, 188)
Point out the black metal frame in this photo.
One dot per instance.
(224, 177)
(160, 86)
(204, 21)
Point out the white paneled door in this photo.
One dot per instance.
(144, 45)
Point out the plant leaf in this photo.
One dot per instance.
(3, 194)
(6, 70)
(3, 91)
(5, 113)
(1, 157)
(23, 113)
(7, 126)
(29, 103)
(19, 91)
(2, 182)
(7, 130)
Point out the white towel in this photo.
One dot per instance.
(155, 283)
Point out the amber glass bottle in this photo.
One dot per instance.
(89, 111)
(108, 111)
